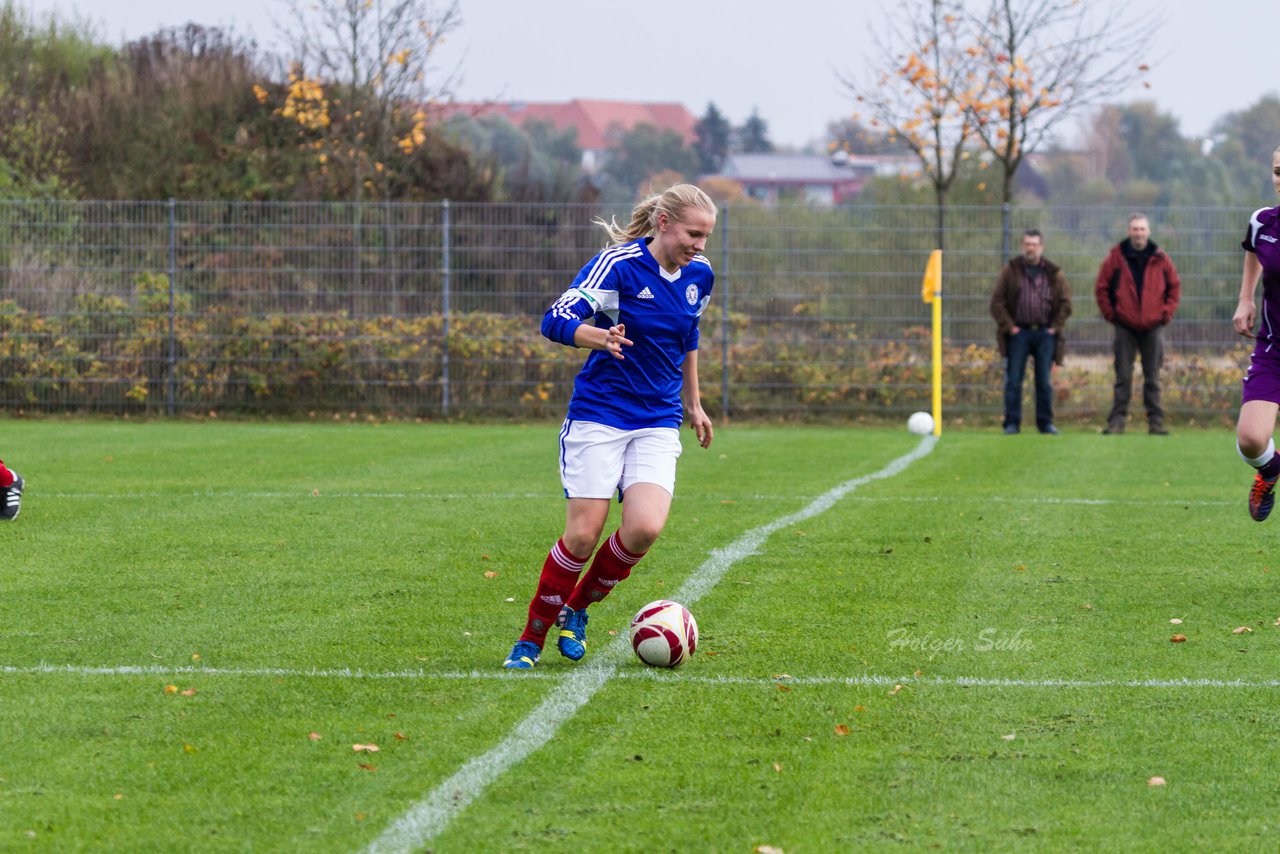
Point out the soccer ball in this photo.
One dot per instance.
(920, 423)
(664, 634)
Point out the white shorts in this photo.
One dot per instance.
(597, 461)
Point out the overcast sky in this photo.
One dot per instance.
(781, 57)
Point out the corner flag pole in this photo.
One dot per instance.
(931, 292)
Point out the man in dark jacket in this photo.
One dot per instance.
(1138, 290)
(1031, 304)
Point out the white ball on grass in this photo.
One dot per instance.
(920, 423)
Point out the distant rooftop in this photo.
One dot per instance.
(597, 122)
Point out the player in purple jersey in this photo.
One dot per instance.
(636, 305)
(1260, 399)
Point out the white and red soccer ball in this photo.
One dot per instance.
(664, 634)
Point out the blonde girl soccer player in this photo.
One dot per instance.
(1260, 398)
(636, 305)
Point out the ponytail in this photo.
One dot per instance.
(644, 216)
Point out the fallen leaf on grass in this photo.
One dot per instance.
(315, 493)
(842, 729)
(195, 656)
(777, 766)
(1156, 781)
(188, 748)
(490, 574)
(1010, 737)
(399, 736)
(366, 767)
(783, 676)
(1175, 621)
(190, 692)
(1022, 567)
(783, 688)
(768, 849)
(919, 673)
(119, 796)
(1178, 639)
(1241, 630)
(365, 748)
(896, 689)
(315, 736)
(171, 689)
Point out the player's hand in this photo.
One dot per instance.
(615, 339)
(1244, 318)
(701, 425)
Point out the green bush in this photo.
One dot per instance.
(114, 354)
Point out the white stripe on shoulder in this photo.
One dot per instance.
(605, 261)
(701, 259)
(1255, 225)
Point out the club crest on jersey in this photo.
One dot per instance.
(691, 294)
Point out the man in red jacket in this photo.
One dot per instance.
(1137, 291)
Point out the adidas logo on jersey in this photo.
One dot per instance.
(1266, 237)
(552, 599)
(645, 294)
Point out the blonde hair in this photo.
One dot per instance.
(644, 216)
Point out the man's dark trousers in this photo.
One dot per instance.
(1035, 343)
(1150, 348)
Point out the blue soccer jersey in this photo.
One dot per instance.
(625, 284)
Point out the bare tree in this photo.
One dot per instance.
(920, 86)
(1046, 60)
(362, 79)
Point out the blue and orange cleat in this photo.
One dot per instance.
(524, 655)
(1262, 497)
(573, 633)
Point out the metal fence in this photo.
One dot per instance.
(432, 310)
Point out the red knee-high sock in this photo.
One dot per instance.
(559, 575)
(612, 564)
(6, 477)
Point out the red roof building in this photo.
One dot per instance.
(599, 123)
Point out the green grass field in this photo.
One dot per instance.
(199, 621)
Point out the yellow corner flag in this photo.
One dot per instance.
(932, 277)
(931, 292)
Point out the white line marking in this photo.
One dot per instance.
(301, 495)
(427, 818)
(659, 676)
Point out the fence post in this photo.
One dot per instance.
(444, 309)
(173, 272)
(724, 313)
(1006, 223)
(391, 264)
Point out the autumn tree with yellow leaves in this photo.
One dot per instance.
(920, 89)
(1045, 61)
(360, 86)
(962, 86)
